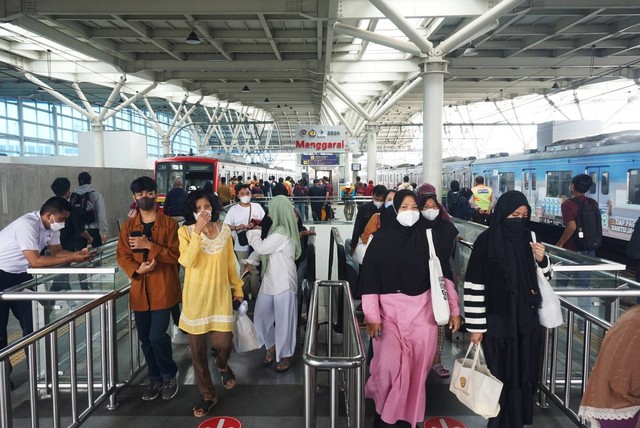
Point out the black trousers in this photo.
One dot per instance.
(21, 309)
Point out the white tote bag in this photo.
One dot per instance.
(550, 311)
(474, 385)
(439, 299)
(361, 250)
(245, 338)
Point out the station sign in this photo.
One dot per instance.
(443, 422)
(320, 138)
(221, 422)
(319, 159)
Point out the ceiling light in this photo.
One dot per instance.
(555, 86)
(246, 89)
(266, 100)
(278, 106)
(487, 100)
(193, 38)
(470, 51)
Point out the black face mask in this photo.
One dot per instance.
(146, 203)
(513, 226)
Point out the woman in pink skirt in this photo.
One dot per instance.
(397, 305)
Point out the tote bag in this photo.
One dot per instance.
(474, 385)
(439, 299)
(550, 311)
(245, 338)
(361, 250)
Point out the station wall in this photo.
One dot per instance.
(25, 187)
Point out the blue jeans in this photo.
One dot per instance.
(301, 206)
(156, 344)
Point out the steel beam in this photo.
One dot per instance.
(403, 25)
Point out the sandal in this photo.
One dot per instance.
(204, 407)
(283, 365)
(269, 356)
(228, 378)
(440, 370)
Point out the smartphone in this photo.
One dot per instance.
(136, 233)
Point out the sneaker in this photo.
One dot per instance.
(152, 391)
(170, 388)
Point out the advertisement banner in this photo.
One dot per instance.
(319, 159)
(320, 139)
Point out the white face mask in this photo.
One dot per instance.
(387, 204)
(378, 204)
(196, 215)
(56, 226)
(430, 213)
(408, 218)
(245, 199)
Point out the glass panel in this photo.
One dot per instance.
(507, 181)
(634, 186)
(525, 179)
(594, 178)
(604, 183)
(533, 181)
(558, 183)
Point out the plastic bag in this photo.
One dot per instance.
(245, 338)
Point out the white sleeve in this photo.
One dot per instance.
(257, 211)
(274, 243)
(229, 218)
(27, 236)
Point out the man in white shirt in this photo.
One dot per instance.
(21, 244)
(241, 217)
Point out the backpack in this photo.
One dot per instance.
(588, 234)
(633, 249)
(83, 208)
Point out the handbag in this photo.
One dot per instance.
(474, 385)
(550, 311)
(439, 300)
(242, 235)
(361, 250)
(245, 338)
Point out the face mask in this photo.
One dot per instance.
(245, 199)
(56, 226)
(430, 213)
(378, 204)
(514, 225)
(196, 215)
(387, 204)
(408, 218)
(146, 203)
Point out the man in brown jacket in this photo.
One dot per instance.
(148, 251)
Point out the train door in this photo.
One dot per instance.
(600, 188)
(529, 186)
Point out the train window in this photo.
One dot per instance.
(507, 181)
(525, 179)
(533, 181)
(594, 182)
(558, 183)
(604, 183)
(634, 186)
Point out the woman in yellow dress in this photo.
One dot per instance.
(206, 252)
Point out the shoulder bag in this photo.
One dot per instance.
(550, 311)
(439, 300)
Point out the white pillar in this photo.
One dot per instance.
(371, 154)
(433, 87)
(98, 142)
(348, 175)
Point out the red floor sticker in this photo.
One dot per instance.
(442, 422)
(221, 422)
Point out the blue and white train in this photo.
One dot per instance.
(612, 160)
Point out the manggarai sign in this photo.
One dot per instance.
(320, 138)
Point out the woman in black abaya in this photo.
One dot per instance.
(502, 298)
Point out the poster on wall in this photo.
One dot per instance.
(320, 139)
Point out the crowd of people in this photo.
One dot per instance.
(257, 252)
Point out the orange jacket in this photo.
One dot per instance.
(159, 289)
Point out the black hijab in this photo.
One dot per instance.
(444, 234)
(509, 245)
(397, 258)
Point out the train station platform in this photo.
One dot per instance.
(93, 342)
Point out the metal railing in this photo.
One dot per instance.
(350, 363)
